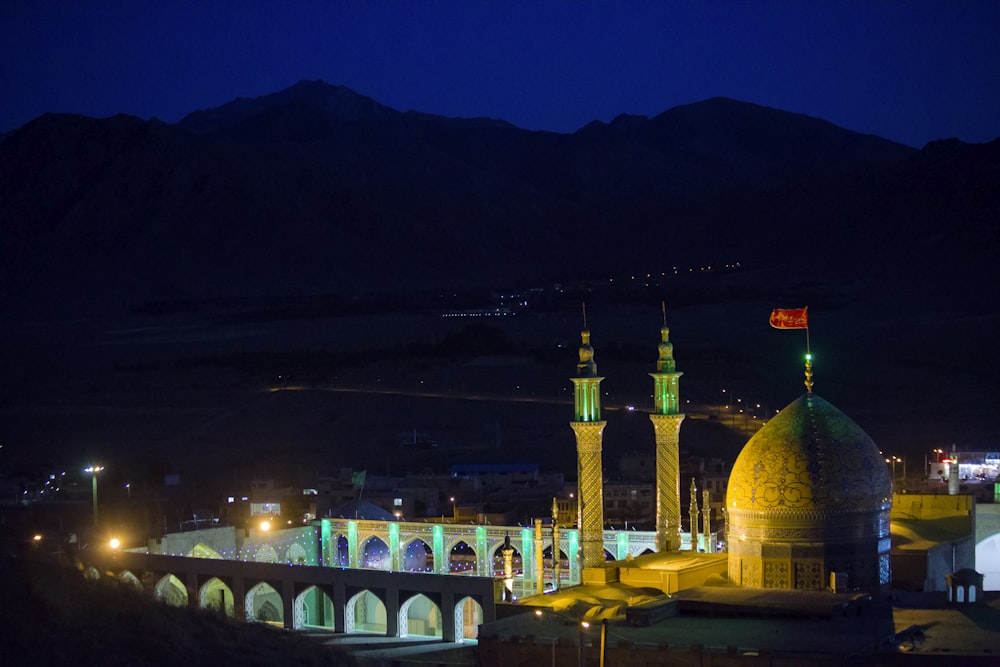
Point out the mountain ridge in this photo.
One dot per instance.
(356, 196)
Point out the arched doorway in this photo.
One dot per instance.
(130, 580)
(342, 556)
(468, 617)
(264, 605)
(375, 555)
(170, 590)
(418, 557)
(419, 617)
(217, 596)
(313, 608)
(266, 554)
(462, 559)
(365, 613)
(297, 554)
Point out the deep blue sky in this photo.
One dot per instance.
(909, 71)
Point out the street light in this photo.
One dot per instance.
(93, 470)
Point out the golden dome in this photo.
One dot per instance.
(810, 459)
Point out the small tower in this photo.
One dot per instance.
(667, 418)
(589, 428)
(693, 511)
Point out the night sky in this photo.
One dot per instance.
(907, 71)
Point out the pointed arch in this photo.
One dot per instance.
(462, 558)
(468, 618)
(217, 596)
(375, 554)
(130, 580)
(418, 556)
(365, 613)
(312, 608)
(265, 554)
(297, 554)
(202, 550)
(263, 604)
(171, 591)
(419, 616)
(342, 551)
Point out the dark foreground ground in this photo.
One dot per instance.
(52, 615)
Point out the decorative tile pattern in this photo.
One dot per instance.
(809, 576)
(776, 574)
(591, 491)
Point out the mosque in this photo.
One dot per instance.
(808, 501)
(807, 514)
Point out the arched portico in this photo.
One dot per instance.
(468, 618)
(264, 604)
(215, 594)
(366, 612)
(171, 590)
(313, 608)
(420, 616)
(355, 599)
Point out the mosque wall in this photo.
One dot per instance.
(690, 573)
(926, 507)
(221, 540)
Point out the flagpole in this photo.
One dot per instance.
(809, 364)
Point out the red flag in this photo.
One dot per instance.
(790, 318)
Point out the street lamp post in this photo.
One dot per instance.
(93, 470)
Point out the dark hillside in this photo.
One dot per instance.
(52, 615)
(319, 190)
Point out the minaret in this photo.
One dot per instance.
(588, 427)
(667, 418)
(693, 511)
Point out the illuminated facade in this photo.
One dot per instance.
(808, 503)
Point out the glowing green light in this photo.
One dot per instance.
(809, 357)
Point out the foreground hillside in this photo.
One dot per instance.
(52, 616)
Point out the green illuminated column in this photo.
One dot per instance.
(326, 549)
(667, 418)
(352, 545)
(589, 429)
(484, 568)
(440, 557)
(527, 560)
(573, 553)
(395, 557)
(622, 545)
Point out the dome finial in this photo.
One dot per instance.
(809, 373)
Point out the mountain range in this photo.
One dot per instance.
(154, 277)
(319, 190)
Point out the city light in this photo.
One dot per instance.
(93, 470)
